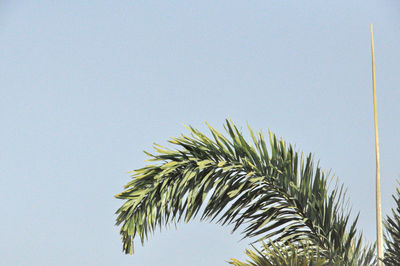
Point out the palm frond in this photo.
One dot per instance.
(285, 255)
(273, 193)
(392, 236)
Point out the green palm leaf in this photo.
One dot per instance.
(284, 255)
(270, 193)
(392, 236)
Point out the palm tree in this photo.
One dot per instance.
(274, 194)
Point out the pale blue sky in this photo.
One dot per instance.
(86, 86)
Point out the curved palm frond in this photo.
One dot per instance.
(275, 194)
(392, 236)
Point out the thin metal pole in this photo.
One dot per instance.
(378, 181)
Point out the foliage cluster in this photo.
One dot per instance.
(272, 193)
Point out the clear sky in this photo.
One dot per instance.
(86, 86)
